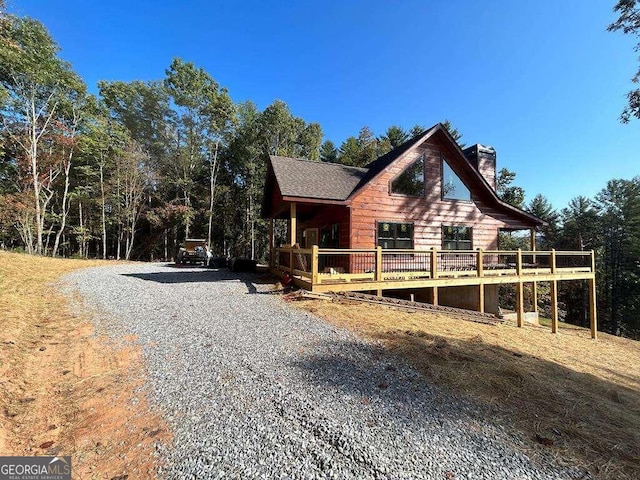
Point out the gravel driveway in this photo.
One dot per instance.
(253, 388)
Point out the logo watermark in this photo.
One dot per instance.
(35, 468)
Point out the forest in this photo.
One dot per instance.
(132, 171)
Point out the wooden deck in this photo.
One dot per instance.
(350, 270)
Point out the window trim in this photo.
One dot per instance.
(422, 157)
(443, 160)
(470, 227)
(413, 243)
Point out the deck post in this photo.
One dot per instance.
(554, 305)
(592, 308)
(315, 279)
(534, 285)
(378, 274)
(519, 262)
(519, 303)
(552, 260)
(480, 270)
(434, 263)
(434, 273)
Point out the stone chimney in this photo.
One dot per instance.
(483, 158)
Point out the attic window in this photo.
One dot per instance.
(452, 187)
(411, 181)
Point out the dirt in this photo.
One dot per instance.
(69, 392)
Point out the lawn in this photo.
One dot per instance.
(65, 390)
(567, 395)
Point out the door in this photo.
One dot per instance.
(311, 237)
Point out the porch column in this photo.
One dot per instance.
(293, 224)
(293, 227)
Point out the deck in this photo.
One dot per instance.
(343, 270)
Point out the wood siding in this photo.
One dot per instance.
(429, 213)
(323, 216)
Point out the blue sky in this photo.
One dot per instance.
(543, 82)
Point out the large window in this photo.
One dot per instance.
(330, 236)
(395, 235)
(456, 238)
(411, 181)
(452, 187)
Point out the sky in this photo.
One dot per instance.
(542, 82)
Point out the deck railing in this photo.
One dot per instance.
(324, 265)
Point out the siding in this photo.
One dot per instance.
(429, 213)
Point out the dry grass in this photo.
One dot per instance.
(66, 392)
(570, 396)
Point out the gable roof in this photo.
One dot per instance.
(298, 177)
(301, 178)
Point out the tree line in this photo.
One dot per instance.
(133, 171)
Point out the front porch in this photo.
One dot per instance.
(339, 270)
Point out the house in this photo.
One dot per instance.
(426, 195)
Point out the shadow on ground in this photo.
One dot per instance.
(199, 275)
(561, 411)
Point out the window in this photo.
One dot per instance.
(456, 238)
(395, 235)
(452, 187)
(330, 236)
(411, 181)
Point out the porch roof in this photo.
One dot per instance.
(298, 177)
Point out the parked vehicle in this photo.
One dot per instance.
(194, 251)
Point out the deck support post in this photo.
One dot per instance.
(520, 303)
(378, 273)
(434, 273)
(534, 285)
(480, 270)
(554, 305)
(592, 308)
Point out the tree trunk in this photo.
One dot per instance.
(104, 220)
(213, 173)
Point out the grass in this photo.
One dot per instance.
(66, 391)
(566, 394)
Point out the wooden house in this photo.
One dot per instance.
(410, 219)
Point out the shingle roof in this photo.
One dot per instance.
(298, 177)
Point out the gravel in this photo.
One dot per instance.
(253, 388)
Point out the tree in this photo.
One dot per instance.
(629, 23)
(618, 205)
(350, 152)
(454, 132)
(328, 152)
(511, 194)
(35, 85)
(542, 208)
(205, 116)
(394, 137)
(416, 130)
